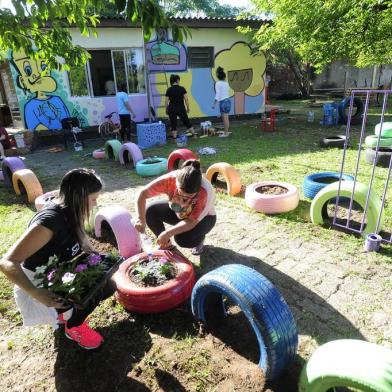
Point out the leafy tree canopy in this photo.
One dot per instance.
(41, 27)
(211, 8)
(318, 32)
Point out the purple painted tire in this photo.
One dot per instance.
(128, 151)
(9, 167)
(119, 220)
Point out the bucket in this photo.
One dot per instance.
(78, 146)
(19, 140)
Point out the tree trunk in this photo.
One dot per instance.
(301, 81)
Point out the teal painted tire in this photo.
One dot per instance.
(112, 149)
(386, 129)
(348, 363)
(371, 141)
(319, 203)
(151, 167)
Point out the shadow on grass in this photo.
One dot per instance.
(106, 368)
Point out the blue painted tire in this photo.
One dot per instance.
(146, 169)
(356, 117)
(263, 306)
(311, 186)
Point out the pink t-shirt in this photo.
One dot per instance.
(198, 208)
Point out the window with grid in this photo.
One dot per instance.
(200, 56)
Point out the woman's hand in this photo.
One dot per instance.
(140, 225)
(163, 240)
(49, 299)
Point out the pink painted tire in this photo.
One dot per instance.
(99, 154)
(176, 156)
(119, 220)
(9, 167)
(41, 201)
(130, 152)
(272, 204)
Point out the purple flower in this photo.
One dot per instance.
(162, 260)
(51, 274)
(94, 259)
(81, 267)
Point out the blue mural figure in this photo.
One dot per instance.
(42, 111)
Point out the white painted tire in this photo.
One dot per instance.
(272, 204)
(42, 200)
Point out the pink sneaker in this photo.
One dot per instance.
(198, 250)
(85, 336)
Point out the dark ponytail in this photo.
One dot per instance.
(189, 177)
(75, 188)
(174, 79)
(220, 73)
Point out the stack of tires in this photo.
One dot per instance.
(379, 145)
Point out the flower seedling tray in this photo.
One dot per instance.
(110, 267)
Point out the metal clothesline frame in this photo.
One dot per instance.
(347, 226)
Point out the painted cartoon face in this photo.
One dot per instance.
(34, 76)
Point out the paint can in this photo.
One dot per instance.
(372, 242)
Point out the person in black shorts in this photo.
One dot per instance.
(177, 105)
(57, 230)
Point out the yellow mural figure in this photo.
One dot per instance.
(244, 72)
(42, 111)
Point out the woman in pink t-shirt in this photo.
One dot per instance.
(189, 208)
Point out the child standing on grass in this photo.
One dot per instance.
(222, 97)
(4, 142)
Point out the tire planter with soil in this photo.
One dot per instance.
(42, 200)
(371, 141)
(119, 220)
(383, 157)
(99, 154)
(315, 182)
(272, 197)
(159, 298)
(112, 149)
(9, 166)
(337, 141)
(263, 306)
(229, 173)
(356, 118)
(182, 154)
(318, 208)
(130, 153)
(348, 363)
(26, 182)
(386, 129)
(151, 167)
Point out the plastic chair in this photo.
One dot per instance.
(268, 123)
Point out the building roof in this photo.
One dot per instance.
(195, 22)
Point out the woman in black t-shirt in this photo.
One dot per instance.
(56, 230)
(177, 105)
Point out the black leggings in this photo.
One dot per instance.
(180, 112)
(79, 315)
(125, 131)
(159, 213)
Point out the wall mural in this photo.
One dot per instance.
(41, 111)
(245, 75)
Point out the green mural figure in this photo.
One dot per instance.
(42, 111)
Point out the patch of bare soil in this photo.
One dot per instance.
(106, 243)
(272, 190)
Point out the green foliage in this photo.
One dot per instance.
(212, 8)
(318, 32)
(43, 26)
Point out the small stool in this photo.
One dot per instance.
(268, 123)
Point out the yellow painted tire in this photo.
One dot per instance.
(230, 174)
(30, 183)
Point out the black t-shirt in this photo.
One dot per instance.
(64, 243)
(176, 96)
